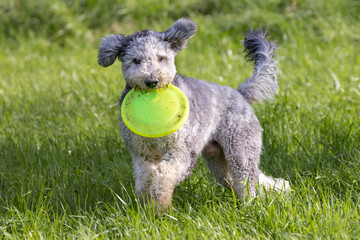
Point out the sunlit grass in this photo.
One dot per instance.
(65, 171)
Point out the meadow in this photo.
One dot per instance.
(65, 172)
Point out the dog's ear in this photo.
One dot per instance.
(178, 34)
(110, 48)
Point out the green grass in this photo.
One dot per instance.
(64, 169)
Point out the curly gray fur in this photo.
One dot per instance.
(221, 123)
(179, 33)
(263, 83)
(110, 49)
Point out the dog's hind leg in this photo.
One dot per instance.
(240, 140)
(215, 159)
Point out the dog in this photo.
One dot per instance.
(221, 125)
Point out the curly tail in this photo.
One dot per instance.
(263, 83)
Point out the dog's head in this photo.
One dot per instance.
(148, 57)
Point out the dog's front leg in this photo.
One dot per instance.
(143, 171)
(155, 180)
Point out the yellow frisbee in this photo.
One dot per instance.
(155, 113)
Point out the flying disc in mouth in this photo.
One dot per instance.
(155, 113)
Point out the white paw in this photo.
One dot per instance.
(277, 184)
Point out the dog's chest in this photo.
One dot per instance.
(152, 149)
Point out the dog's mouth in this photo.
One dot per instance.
(150, 88)
(152, 83)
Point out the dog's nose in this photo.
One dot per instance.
(151, 84)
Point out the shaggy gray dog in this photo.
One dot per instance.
(221, 124)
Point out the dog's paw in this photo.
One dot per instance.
(277, 184)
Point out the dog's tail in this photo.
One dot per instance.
(263, 83)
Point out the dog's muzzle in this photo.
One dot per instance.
(151, 83)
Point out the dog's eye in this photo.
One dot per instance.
(160, 59)
(137, 61)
